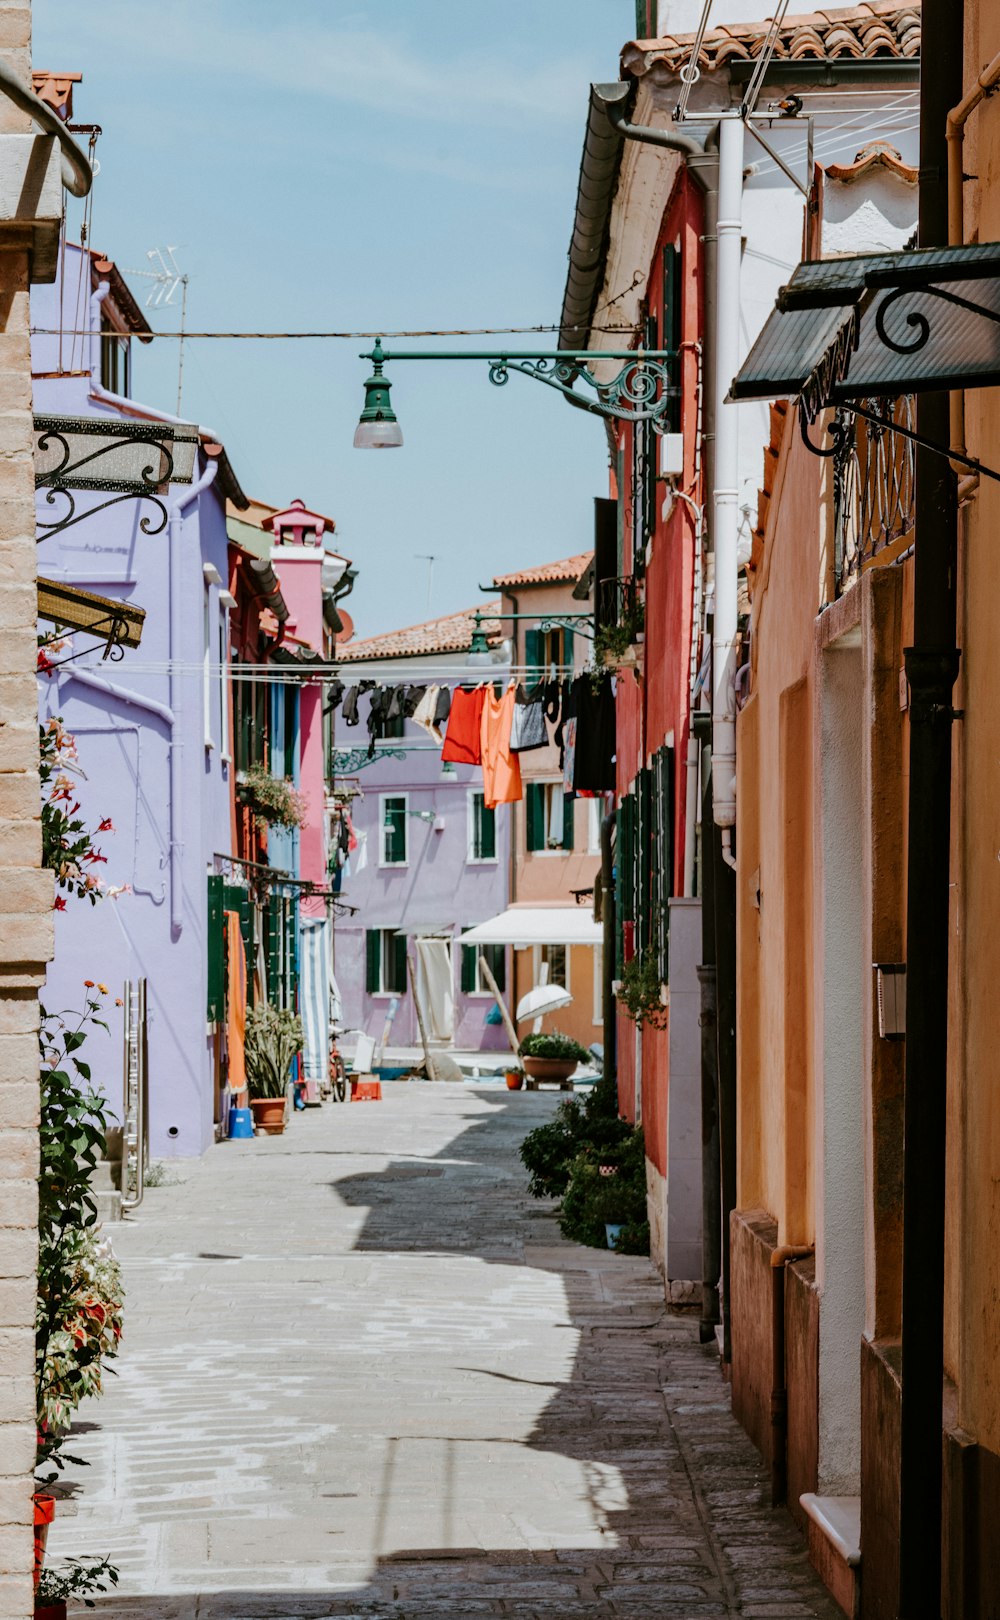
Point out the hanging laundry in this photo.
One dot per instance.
(335, 691)
(463, 744)
(394, 708)
(594, 765)
(553, 691)
(414, 695)
(443, 706)
(350, 709)
(423, 714)
(378, 714)
(362, 860)
(236, 1001)
(528, 729)
(568, 751)
(501, 767)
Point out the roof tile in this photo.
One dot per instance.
(880, 28)
(451, 633)
(553, 573)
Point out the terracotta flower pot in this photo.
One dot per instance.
(51, 1611)
(557, 1070)
(45, 1512)
(515, 1079)
(268, 1114)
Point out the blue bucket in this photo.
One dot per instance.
(240, 1124)
(613, 1231)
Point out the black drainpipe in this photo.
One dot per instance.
(711, 1193)
(609, 1010)
(931, 671)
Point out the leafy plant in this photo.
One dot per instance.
(75, 1580)
(68, 847)
(594, 1198)
(78, 1318)
(274, 800)
(273, 1036)
(554, 1045)
(639, 992)
(548, 1151)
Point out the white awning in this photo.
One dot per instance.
(537, 925)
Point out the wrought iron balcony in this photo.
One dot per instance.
(873, 480)
(619, 601)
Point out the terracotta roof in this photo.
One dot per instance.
(452, 633)
(876, 155)
(105, 269)
(553, 573)
(880, 28)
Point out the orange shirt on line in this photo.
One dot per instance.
(501, 768)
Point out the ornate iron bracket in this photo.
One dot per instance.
(641, 392)
(125, 460)
(918, 321)
(71, 516)
(805, 420)
(350, 760)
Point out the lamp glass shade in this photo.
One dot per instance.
(378, 435)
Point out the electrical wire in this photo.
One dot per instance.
(468, 331)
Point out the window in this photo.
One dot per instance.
(549, 817)
(482, 831)
(385, 962)
(474, 982)
(545, 650)
(249, 719)
(115, 361)
(556, 958)
(225, 740)
(595, 815)
(392, 818)
(291, 732)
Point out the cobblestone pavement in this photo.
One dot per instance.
(362, 1375)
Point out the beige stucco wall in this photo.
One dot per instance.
(25, 892)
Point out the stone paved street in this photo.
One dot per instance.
(364, 1376)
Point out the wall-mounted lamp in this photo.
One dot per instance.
(890, 990)
(641, 392)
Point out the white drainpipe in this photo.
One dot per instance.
(726, 493)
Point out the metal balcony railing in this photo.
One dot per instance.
(873, 485)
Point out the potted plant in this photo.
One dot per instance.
(552, 1057)
(273, 1036)
(274, 801)
(77, 1581)
(515, 1079)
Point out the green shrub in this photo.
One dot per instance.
(593, 1198)
(548, 1151)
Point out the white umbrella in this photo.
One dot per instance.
(544, 998)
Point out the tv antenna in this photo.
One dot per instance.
(168, 280)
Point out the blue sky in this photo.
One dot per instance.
(332, 164)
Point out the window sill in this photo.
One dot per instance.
(392, 866)
(481, 860)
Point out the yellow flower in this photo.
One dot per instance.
(102, 988)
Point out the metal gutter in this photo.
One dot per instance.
(599, 167)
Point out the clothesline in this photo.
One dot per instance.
(385, 674)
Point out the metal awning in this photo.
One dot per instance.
(537, 925)
(881, 324)
(117, 623)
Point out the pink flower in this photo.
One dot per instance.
(59, 904)
(105, 825)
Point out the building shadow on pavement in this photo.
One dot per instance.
(615, 1481)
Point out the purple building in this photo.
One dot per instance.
(430, 859)
(153, 729)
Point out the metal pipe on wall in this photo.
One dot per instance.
(931, 669)
(609, 1006)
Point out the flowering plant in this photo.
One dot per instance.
(68, 847)
(78, 1316)
(273, 799)
(639, 992)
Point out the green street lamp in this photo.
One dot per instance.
(642, 391)
(378, 428)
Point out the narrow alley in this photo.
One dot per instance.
(363, 1375)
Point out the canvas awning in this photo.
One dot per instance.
(880, 324)
(537, 925)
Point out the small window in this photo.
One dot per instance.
(482, 830)
(385, 962)
(474, 982)
(115, 361)
(557, 958)
(393, 823)
(549, 817)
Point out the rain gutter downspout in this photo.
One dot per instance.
(985, 85)
(175, 532)
(120, 402)
(931, 665)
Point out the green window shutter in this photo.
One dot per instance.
(398, 984)
(394, 832)
(215, 950)
(534, 654)
(487, 833)
(672, 326)
(496, 956)
(468, 969)
(568, 819)
(373, 960)
(568, 648)
(291, 957)
(646, 906)
(535, 815)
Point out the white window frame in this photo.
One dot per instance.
(551, 785)
(471, 858)
(536, 962)
(393, 866)
(595, 808)
(206, 660)
(227, 604)
(481, 987)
